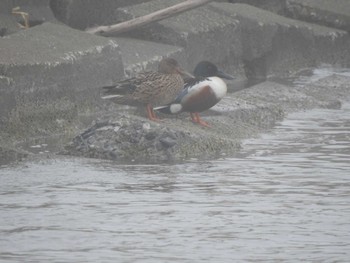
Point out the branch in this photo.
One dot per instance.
(144, 20)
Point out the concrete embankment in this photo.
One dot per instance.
(50, 74)
(239, 116)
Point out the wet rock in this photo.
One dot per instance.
(125, 138)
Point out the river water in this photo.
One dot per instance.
(284, 198)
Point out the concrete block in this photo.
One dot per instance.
(8, 25)
(7, 100)
(5, 6)
(276, 44)
(334, 13)
(275, 6)
(290, 99)
(139, 55)
(81, 14)
(237, 35)
(9, 155)
(53, 70)
(39, 11)
(243, 114)
(204, 32)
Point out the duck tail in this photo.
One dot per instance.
(117, 91)
(169, 109)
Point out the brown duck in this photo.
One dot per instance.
(150, 88)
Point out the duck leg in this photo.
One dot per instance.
(196, 119)
(150, 113)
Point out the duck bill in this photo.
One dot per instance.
(224, 75)
(184, 73)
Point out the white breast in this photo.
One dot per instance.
(218, 86)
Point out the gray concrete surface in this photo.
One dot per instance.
(275, 6)
(52, 69)
(80, 14)
(246, 37)
(273, 44)
(8, 24)
(335, 13)
(203, 32)
(139, 55)
(38, 11)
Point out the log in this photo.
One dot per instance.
(144, 20)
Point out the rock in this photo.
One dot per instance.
(131, 141)
(167, 141)
(334, 88)
(203, 32)
(54, 71)
(10, 155)
(273, 44)
(8, 24)
(334, 13)
(258, 41)
(275, 6)
(6, 7)
(238, 116)
(82, 14)
(139, 55)
(7, 98)
(290, 99)
(38, 11)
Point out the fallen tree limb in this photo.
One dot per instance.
(144, 20)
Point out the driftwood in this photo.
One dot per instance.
(143, 20)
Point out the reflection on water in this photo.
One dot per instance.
(285, 197)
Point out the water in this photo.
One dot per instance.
(284, 197)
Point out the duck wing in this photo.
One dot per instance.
(190, 87)
(158, 88)
(125, 87)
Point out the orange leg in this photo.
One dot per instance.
(150, 113)
(196, 119)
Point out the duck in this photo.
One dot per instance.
(150, 88)
(200, 93)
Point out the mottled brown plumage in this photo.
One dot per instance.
(150, 88)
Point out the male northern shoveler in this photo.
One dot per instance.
(150, 88)
(199, 93)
